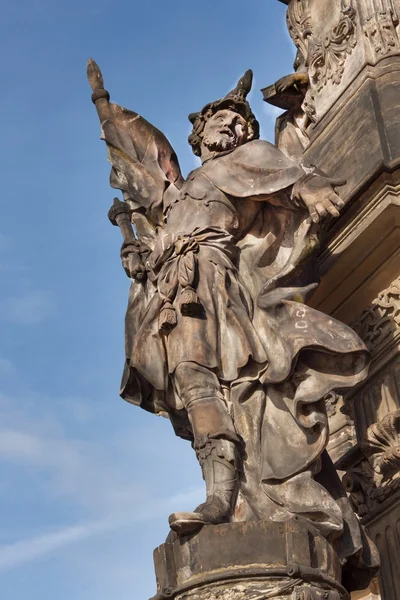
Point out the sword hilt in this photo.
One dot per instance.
(120, 216)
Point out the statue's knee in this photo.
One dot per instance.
(200, 391)
(193, 382)
(183, 371)
(210, 419)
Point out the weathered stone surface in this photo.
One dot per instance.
(249, 560)
(215, 328)
(355, 133)
(342, 433)
(339, 38)
(379, 324)
(218, 335)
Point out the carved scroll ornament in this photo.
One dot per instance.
(377, 477)
(380, 322)
(325, 56)
(380, 26)
(382, 449)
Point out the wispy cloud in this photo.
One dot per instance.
(13, 555)
(71, 469)
(95, 479)
(27, 550)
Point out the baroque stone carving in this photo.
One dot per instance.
(219, 339)
(221, 552)
(377, 477)
(382, 448)
(325, 56)
(331, 402)
(380, 322)
(380, 26)
(242, 592)
(294, 94)
(300, 25)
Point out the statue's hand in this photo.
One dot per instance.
(318, 195)
(295, 79)
(132, 261)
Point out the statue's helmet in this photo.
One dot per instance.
(235, 100)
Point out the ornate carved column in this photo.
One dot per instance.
(373, 467)
(351, 52)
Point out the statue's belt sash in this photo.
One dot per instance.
(174, 262)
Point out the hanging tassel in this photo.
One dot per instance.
(167, 319)
(189, 302)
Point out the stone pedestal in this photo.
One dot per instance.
(249, 561)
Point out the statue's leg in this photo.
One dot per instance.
(216, 444)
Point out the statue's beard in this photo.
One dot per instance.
(217, 142)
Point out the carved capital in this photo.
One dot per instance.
(381, 27)
(380, 322)
(381, 447)
(377, 477)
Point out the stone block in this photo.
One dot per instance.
(249, 560)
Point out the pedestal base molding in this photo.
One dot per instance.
(249, 561)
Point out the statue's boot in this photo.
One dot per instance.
(219, 462)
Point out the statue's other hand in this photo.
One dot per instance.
(318, 195)
(132, 261)
(295, 79)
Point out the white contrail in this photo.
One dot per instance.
(17, 553)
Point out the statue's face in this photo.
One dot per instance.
(224, 131)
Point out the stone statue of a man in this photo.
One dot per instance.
(217, 335)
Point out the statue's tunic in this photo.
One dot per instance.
(203, 226)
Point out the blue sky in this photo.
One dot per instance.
(88, 481)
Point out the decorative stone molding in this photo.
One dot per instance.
(254, 560)
(380, 322)
(241, 592)
(380, 26)
(331, 403)
(325, 55)
(299, 23)
(377, 476)
(382, 449)
(329, 56)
